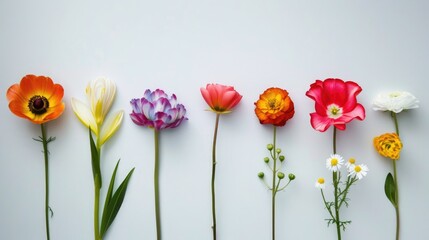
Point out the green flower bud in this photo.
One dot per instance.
(270, 147)
(280, 175)
(266, 159)
(281, 158)
(261, 175)
(278, 150)
(291, 176)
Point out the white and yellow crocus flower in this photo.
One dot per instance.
(101, 93)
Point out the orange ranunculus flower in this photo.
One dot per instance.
(388, 145)
(274, 106)
(36, 98)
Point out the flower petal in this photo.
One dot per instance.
(101, 93)
(320, 123)
(36, 85)
(84, 114)
(110, 126)
(207, 97)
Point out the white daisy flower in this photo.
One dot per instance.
(350, 164)
(395, 101)
(334, 162)
(320, 183)
(359, 171)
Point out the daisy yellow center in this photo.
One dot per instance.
(38, 104)
(358, 169)
(352, 161)
(334, 111)
(321, 180)
(334, 162)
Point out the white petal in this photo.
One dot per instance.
(101, 93)
(110, 126)
(395, 101)
(84, 114)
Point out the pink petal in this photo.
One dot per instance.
(320, 123)
(230, 99)
(353, 89)
(358, 112)
(207, 97)
(334, 91)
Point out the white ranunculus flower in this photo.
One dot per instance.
(395, 101)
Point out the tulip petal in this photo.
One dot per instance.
(84, 114)
(320, 123)
(230, 99)
(353, 90)
(334, 91)
(110, 126)
(358, 112)
(207, 97)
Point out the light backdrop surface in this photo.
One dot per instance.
(180, 46)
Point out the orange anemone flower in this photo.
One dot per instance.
(275, 107)
(36, 98)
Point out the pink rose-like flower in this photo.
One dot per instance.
(220, 98)
(157, 110)
(335, 103)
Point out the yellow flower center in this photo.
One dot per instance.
(273, 104)
(334, 162)
(38, 104)
(352, 161)
(394, 94)
(358, 169)
(388, 145)
(321, 180)
(334, 111)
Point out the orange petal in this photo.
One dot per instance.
(57, 95)
(36, 85)
(54, 113)
(19, 109)
(14, 93)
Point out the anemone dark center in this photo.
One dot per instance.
(38, 104)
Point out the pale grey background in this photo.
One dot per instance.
(180, 46)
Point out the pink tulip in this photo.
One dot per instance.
(220, 98)
(335, 103)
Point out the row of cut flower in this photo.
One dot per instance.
(39, 100)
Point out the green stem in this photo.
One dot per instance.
(46, 153)
(273, 197)
(156, 185)
(334, 141)
(395, 120)
(213, 176)
(397, 200)
(336, 181)
(395, 178)
(326, 205)
(97, 188)
(337, 209)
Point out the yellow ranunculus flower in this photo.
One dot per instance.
(388, 145)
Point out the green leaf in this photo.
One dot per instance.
(390, 189)
(110, 190)
(114, 202)
(95, 161)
